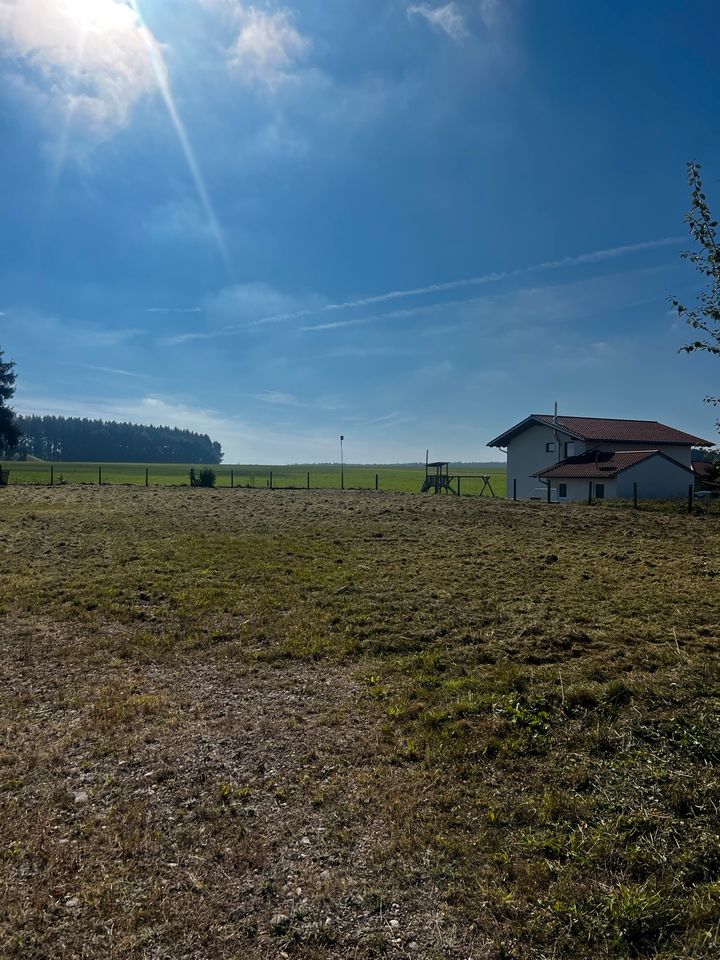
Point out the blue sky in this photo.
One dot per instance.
(412, 223)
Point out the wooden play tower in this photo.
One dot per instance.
(439, 479)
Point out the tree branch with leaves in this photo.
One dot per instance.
(705, 315)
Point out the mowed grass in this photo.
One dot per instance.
(330, 725)
(405, 479)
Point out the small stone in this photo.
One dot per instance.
(413, 945)
(280, 922)
(81, 797)
(394, 924)
(305, 841)
(325, 875)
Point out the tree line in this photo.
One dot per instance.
(80, 439)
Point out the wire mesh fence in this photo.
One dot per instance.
(391, 478)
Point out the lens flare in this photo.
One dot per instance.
(165, 89)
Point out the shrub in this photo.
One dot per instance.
(206, 478)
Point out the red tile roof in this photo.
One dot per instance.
(607, 430)
(597, 464)
(702, 468)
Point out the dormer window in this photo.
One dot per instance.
(569, 449)
(549, 448)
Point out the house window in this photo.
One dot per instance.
(562, 490)
(569, 449)
(599, 491)
(549, 448)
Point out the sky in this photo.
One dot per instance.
(409, 223)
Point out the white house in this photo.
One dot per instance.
(577, 456)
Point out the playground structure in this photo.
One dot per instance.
(439, 479)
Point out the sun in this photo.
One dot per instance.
(100, 15)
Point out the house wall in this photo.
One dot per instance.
(526, 455)
(676, 451)
(577, 489)
(656, 479)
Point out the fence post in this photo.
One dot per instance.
(271, 486)
(232, 479)
(589, 493)
(52, 475)
(548, 491)
(635, 496)
(690, 498)
(377, 482)
(515, 488)
(147, 476)
(308, 479)
(99, 476)
(459, 493)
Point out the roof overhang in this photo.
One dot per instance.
(505, 438)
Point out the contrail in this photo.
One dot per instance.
(166, 92)
(595, 256)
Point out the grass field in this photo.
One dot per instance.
(404, 479)
(238, 726)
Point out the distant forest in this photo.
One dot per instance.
(75, 439)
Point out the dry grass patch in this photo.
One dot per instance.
(237, 723)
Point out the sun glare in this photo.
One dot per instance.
(91, 15)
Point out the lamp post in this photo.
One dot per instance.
(342, 464)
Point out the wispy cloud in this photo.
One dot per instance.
(447, 18)
(173, 309)
(182, 219)
(386, 420)
(574, 355)
(245, 305)
(279, 398)
(267, 46)
(490, 12)
(108, 338)
(181, 338)
(114, 371)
